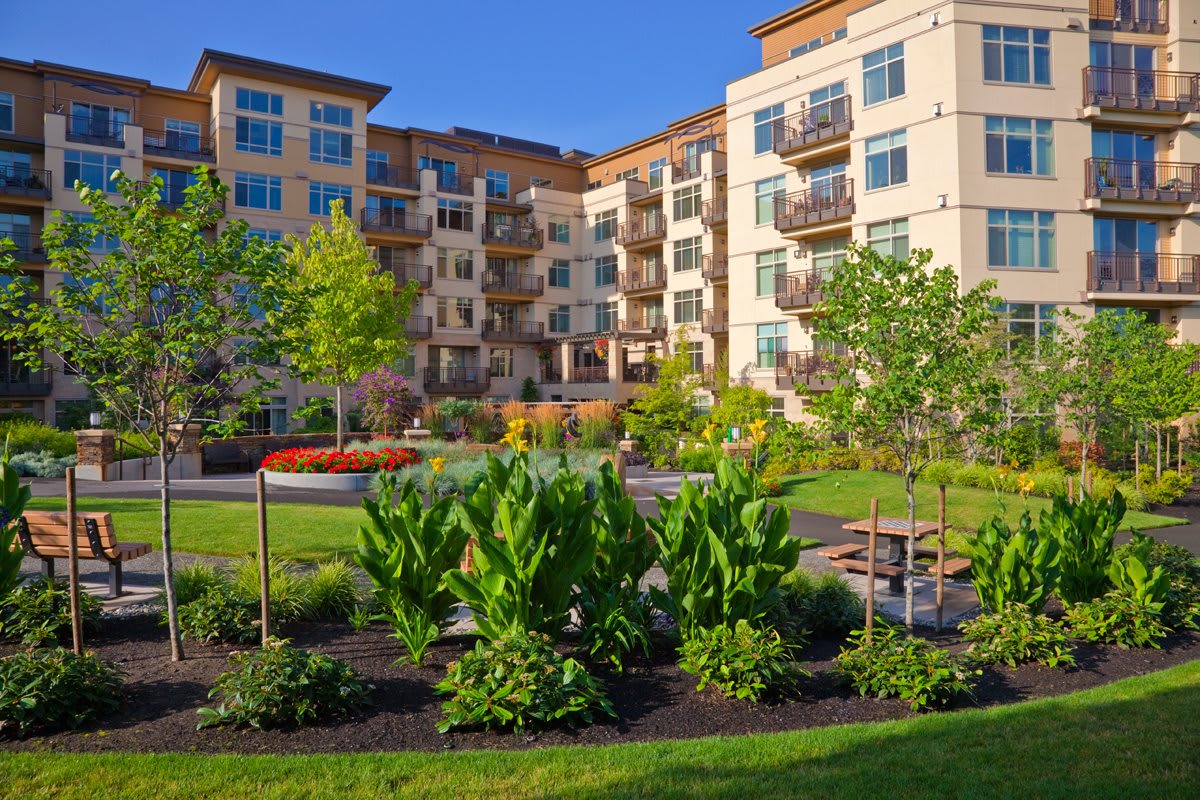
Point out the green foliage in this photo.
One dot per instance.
(277, 685)
(823, 605)
(740, 405)
(529, 390)
(332, 590)
(1027, 441)
(39, 613)
(406, 549)
(1084, 531)
(13, 499)
(789, 445)
(194, 580)
(744, 662)
(723, 555)
(1181, 605)
(1012, 567)
(1167, 489)
(1118, 618)
(28, 435)
(288, 589)
(1016, 635)
(662, 410)
(888, 663)
(1038, 482)
(697, 457)
(51, 689)
(1131, 574)
(458, 409)
(361, 617)
(218, 615)
(42, 464)
(518, 681)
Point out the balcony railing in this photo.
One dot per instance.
(1141, 16)
(455, 182)
(1141, 89)
(513, 331)
(418, 327)
(800, 289)
(28, 246)
(548, 374)
(398, 177)
(1154, 273)
(814, 369)
(714, 266)
(178, 144)
(641, 279)
(714, 320)
(822, 203)
(25, 182)
(1152, 181)
(457, 380)
(18, 380)
(588, 375)
(651, 226)
(522, 283)
(89, 130)
(173, 197)
(715, 211)
(521, 235)
(640, 373)
(649, 324)
(389, 220)
(403, 272)
(814, 124)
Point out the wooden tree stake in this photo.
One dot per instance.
(871, 565)
(73, 565)
(263, 565)
(941, 552)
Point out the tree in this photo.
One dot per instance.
(916, 376)
(661, 410)
(529, 390)
(740, 405)
(148, 314)
(354, 313)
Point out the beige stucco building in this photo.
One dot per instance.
(1050, 146)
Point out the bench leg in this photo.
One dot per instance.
(114, 579)
(48, 568)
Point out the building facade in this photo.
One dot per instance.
(1052, 147)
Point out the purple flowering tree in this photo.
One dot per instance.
(384, 396)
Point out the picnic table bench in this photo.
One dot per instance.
(895, 531)
(44, 535)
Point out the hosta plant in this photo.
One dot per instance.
(1084, 531)
(888, 663)
(1016, 635)
(219, 616)
(51, 689)
(1118, 618)
(744, 662)
(1010, 566)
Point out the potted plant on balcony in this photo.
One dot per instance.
(823, 119)
(601, 349)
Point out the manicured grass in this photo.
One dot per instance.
(849, 493)
(1130, 739)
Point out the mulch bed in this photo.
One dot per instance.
(655, 700)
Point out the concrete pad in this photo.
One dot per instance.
(958, 599)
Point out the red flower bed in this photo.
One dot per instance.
(311, 460)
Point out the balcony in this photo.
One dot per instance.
(28, 246)
(522, 284)
(179, 145)
(404, 271)
(1141, 181)
(1134, 16)
(815, 132)
(649, 326)
(1143, 273)
(396, 177)
(503, 330)
(814, 370)
(800, 291)
(520, 236)
(1139, 90)
(548, 374)
(18, 380)
(642, 279)
(457, 380)
(588, 375)
(825, 206)
(714, 266)
(640, 373)
(455, 182)
(715, 212)
(25, 182)
(89, 130)
(714, 320)
(172, 197)
(403, 223)
(417, 327)
(643, 229)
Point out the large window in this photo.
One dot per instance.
(764, 127)
(94, 119)
(1020, 239)
(1026, 324)
(883, 74)
(182, 135)
(497, 184)
(606, 270)
(887, 159)
(606, 225)
(686, 202)
(560, 273)
(330, 114)
(94, 169)
(1019, 145)
(455, 263)
(772, 340)
(377, 165)
(766, 192)
(261, 136)
(766, 266)
(606, 316)
(560, 229)
(687, 253)
(560, 319)
(455, 312)
(175, 184)
(261, 102)
(320, 195)
(330, 147)
(688, 305)
(502, 362)
(655, 172)
(1016, 55)
(266, 234)
(889, 238)
(7, 115)
(455, 215)
(828, 253)
(263, 192)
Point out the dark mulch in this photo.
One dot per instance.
(654, 701)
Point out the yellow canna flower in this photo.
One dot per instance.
(517, 426)
(438, 464)
(757, 430)
(515, 442)
(709, 430)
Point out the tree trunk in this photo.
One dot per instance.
(167, 554)
(909, 582)
(341, 431)
(1083, 457)
(1137, 463)
(1157, 453)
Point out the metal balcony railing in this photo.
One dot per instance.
(18, 380)
(641, 279)
(455, 182)
(521, 283)
(523, 234)
(178, 144)
(388, 220)
(1152, 181)
(588, 375)
(398, 177)
(714, 320)
(822, 203)
(28, 246)
(90, 130)
(714, 266)
(1139, 16)
(513, 330)
(814, 124)
(654, 324)
(640, 373)
(25, 181)
(814, 369)
(1152, 273)
(418, 327)
(457, 380)
(651, 226)
(800, 289)
(715, 211)
(1141, 89)
(404, 271)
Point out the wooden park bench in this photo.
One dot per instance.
(951, 567)
(44, 535)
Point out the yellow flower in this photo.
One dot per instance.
(517, 426)
(757, 432)
(709, 430)
(1024, 483)
(515, 442)
(438, 464)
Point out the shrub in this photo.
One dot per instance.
(312, 460)
(740, 405)
(529, 390)
(193, 581)
(1131, 573)
(457, 410)
(1070, 454)
(28, 435)
(1016, 635)
(482, 425)
(219, 616)
(824, 605)
(836, 458)
(1167, 489)
(277, 685)
(289, 598)
(42, 464)
(942, 471)
(332, 590)
(13, 499)
(744, 662)
(384, 396)
(1084, 531)
(1117, 618)
(595, 423)
(1010, 566)
(518, 681)
(51, 689)
(1025, 442)
(40, 612)
(1181, 606)
(889, 663)
(697, 457)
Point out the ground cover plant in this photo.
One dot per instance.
(743, 662)
(39, 613)
(52, 688)
(887, 662)
(1016, 635)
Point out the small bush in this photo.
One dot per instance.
(28, 435)
(890, 663)
(332, 590)
(1118, 618)
(193, 581)
(1015, 636)
(825, 606)
(942, 471)
(42, 464)
(39, 613)
(1070, 454)
(744, 662)
(836, 458)
(48, 690)
(289, 599)
(1181, 605)
(1167, 489)
(219, 616)
(518, 681)
(277, 685)
(696, 457)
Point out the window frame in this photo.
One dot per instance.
(689, 249)
(1031, 64)
(894, 159)
(1034, 136)
(889, 60)
(777, 265)
(455, 263)
(604, 224)
(1043, 238)
(774, 338)
(273, 105)
(449, 209)
(764, 128)
(560, 228)
(687, 306)
(318, 139)
(891, 237)
(87, 160)
(493, 180)
(559, 267)
(605, 265)
(686, 202)
(777, 190)
(12, 112)
(271, 133)
(317, 112)
(328, 192)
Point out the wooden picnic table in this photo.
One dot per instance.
(895, 530)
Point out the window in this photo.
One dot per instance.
(93, 119)
(701, 404)
(688, 305)
(889, 238)
(630, 174)
(606, 267)
(828, 253)
(764, 128)
(262, 102)
(270, 418)
(887, 159)
(1020, 238)
(330, 114)
(1126, 248)
(687, 253)
(772, 339)
(455, 263)
(386, 210)
(94, 169)
(245, 296)
(497, 184)
(455, 312)
(606, 316)
(330, 147)
(1016, 55)
(377, 165)
(606, 225)
(181, 135)
(596, 184)
(767, 265)
(1025, 324)
(175, 184)
(100, 244)
(261, 136)
(560, 273)
(560, 229)
(7, 115)
(1019, 145)
(766, 192)
(265, 234)
(655, 171)
(883, 74)
(502, 362)
(407, 365)
(686, 202)
(455, 215)
(320, 195)
(776, 409)
(541, 183)
(560, 319)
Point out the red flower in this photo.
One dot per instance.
(309, 460)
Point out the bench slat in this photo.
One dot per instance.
(841, 550)
(953, 566)
(858, 565)
(48, 535)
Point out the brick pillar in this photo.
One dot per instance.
(188, 437)
(96, 447)
(628, 445)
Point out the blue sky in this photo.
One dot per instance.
(618, 69)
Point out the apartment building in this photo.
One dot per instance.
(1050, 146)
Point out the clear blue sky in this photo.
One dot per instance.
(574, 74)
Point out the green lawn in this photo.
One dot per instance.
(849, 493)
(1130, 739)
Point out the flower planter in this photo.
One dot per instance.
(340, 482)
(640, 471)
